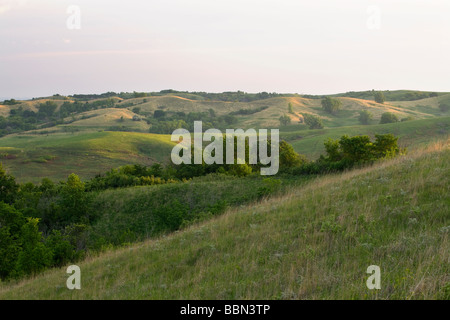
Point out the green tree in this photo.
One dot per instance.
(285, 120)
(365, 117)
(61, 248)
(379, 97)
(11, 222)
(290, 109)
(34, 256)
(73, 200)
(8, 187)
(47, 109)
(288, 157)
(158, 114)
(331, 105)
(313, 121)
(385, 145)
(388, 117)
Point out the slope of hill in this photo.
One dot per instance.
(31, 157)
(412, 134)
(277, 107)
(55, 156)
(316, 242)
(270, 110)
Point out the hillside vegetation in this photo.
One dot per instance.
(314, 242)
(136, 113)
(33, 157)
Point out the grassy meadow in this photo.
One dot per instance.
(33, 157)
(313, 242)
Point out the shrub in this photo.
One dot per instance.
(388, 117)
(365, 117)
(331, 105)
(285, 120)
(314, 122)
(8, 187)
(379, 97)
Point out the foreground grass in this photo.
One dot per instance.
(315, 242)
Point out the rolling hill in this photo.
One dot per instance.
(33, 157)
(273, 108)
(314, 242)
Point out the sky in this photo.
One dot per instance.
(286, 46)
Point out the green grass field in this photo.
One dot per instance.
(55, 156)
(314, 242)
(412, 134)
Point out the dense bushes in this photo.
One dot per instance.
(166, 122)
(37, 224)
(331, 105)
(379, 97)
(349, 152)
(365, 117)
(388, 117)
(312, 121)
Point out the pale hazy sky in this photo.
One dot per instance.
(315, 46)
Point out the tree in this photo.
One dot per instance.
(388, 117)
(73, 200)
(385, 145)
(230, 119)
(34, 256)
(379, 97)
(331, 105)
(348, 151)
(11, 222)
(365, 116)
(285, 120)
(314, 122)
(47, 109)
(159, 114)
(288, 157)
(8, 187)
(290, 109)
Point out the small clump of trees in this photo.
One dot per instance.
(285, 120)
(365, 117)
(348, 152)
(379, 97)
(312, 121)
(388, 117)
(331, 105)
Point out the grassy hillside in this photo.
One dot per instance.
(412, 134)
(315, 242)
(279, 106)
(107, 118)
(33, 157)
